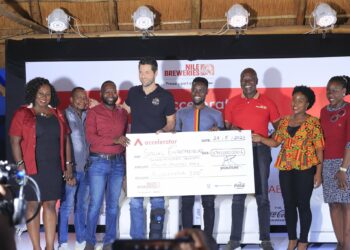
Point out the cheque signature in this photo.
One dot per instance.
(229, 160)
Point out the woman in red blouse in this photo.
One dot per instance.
(299, 162)
(335, 121)
(41, 146)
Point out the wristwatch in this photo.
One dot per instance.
(343, 169)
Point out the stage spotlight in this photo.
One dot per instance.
(237, 16)
(58, 21)
(324, 16)
(143, 18)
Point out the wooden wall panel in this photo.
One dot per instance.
(263, 13)
(170, 14)
(342, 7)
(2, 55)
(91, 16)
(173, 17)
(6, 23)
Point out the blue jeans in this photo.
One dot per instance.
(74, 197)
(104, 175)
(137, 215)
(262, 161)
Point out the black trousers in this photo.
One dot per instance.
(208, 203)
(297, 187)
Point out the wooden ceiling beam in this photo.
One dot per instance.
(280, 30)
(196, 14)
(301, 9)
(35, 13)
(113, 15)
(68, 1)
(10, 14)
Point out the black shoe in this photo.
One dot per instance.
(233, 245)
(266, 245)
(89, 246)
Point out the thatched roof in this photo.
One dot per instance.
(27, 18)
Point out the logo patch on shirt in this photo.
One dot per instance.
(155, 101)
(261, 107)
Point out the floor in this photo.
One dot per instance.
(279, 240)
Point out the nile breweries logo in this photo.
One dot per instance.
(192, 70)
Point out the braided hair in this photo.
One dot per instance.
(343, 80)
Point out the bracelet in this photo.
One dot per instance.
(69, 163)
(19, 163)
(343, 169)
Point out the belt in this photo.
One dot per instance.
(105, 156)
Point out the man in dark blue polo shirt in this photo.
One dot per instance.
(152, 110)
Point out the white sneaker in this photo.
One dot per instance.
(20, 229)
(99, 246)
(80, 246)
(63, 246)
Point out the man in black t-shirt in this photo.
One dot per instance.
(152, 110)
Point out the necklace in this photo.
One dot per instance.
(329, 108)
(42, 114)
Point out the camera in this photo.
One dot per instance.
(16, 179)
(9, 172)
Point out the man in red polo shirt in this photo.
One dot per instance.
(106, 125)
(252, 111)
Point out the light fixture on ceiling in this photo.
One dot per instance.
(58, 21)
(324, 16)
(143, 18)
(237, 17)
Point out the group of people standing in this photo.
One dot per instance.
(313, 151)
(87, 146)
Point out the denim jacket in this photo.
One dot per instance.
(80, 146)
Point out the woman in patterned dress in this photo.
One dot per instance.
(335, 122)
(299, 162)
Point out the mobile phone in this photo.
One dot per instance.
(161, 244)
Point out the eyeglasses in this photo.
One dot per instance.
(338, 115)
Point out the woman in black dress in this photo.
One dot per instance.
(40, 145)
